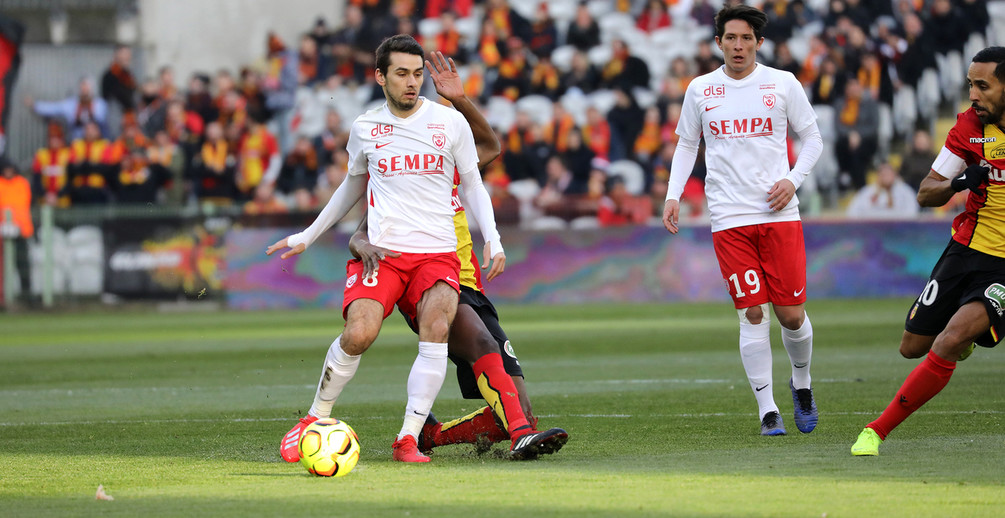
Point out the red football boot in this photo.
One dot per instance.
(406, 450)
(289, 448)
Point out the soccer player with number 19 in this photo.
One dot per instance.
(964, 300)
(745, 110)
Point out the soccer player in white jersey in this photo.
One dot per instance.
(744, 111)
(402, 156)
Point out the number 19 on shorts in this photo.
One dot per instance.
(750, 280)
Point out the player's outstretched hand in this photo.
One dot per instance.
(671, 213)
(443, 72)
(281, 244)
(781, 194)
(971, 178)
(498, 263)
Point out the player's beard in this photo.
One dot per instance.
(994, 116)
(401, 104)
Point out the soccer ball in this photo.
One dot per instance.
(329, 448)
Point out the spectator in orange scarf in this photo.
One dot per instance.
(50, 166)
(118, 83)
(857, 128)
(558, 130)
(89, 168)
(597, 133)
(648, 142)
(214, 167)
(258, 160)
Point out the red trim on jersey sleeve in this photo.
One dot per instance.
(967, 126)
(478, 270)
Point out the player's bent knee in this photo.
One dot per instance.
(790, 317)
(754, 314)
(485, 344)
(910, 352)
(915, 346)
(951, 342)
(434, 326)
(356, 341)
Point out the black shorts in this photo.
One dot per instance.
(962, 275)
(487, 312)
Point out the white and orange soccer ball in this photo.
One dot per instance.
(329, 448)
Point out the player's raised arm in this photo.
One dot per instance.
(448, 84)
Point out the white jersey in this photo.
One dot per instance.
(745, 123)
(410, 163)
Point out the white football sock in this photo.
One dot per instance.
(424, 382)
(799, 344)
(338, 370)
(755, 352)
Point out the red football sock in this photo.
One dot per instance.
(499, 392)
(924, 382)
(468, 428)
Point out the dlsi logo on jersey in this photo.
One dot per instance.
(715, 91)
(382, 130)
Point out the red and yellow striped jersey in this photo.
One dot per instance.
(981, 225)
(471, 275)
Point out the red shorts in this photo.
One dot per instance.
(763, 263)
(400, 280)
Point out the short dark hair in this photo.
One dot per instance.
(752, 15)
(993, 55)
(397, 43)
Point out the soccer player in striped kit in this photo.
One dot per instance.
(744, 110)
(964, 300)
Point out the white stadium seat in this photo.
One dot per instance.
(429, 27)
(602, 100)
(584, 223)
(631, 173)
(561, 57)
(500, 112)
(576, 103)
(537, 106)
(612, 24)
(599, 55)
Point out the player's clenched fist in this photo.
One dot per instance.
(971, 178)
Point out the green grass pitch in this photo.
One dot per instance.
(180, 414)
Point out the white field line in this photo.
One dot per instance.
(14, 393)
(379, 418)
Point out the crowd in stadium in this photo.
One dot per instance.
(585, 98)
